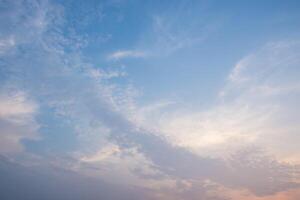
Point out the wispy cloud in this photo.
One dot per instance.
(189, 154)
(6, 44)
(126, 54)
(253, 108)
(17, 120)
(173, 30)
(169, 37)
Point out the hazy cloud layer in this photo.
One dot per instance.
(72, 127)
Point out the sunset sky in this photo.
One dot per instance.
(149, 100)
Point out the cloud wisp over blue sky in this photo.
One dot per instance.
(151, 100)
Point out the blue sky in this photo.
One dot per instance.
(160, 99)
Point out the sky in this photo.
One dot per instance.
(152, 100)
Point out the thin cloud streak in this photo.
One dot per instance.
(118, 55)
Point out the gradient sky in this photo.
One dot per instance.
(152, 100)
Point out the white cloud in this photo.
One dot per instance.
(170, 37)
(172, 31)
(100, 74)
(6, 44)
(258, 106)
(17, 121)
(126, 54)
(15, 105)
(101, 114)
(104, 153)
(129, 166)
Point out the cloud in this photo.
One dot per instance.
(256, 111)
(6, 44)
(126, 54)
(273, 59)
(104, 153)
(268, 79)
(170, 38)
(237, 194)
(55, 183)
(17, 121)
(115, 143)
(256, 105)
(100, 74)
(129, 166)
(171, 30)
